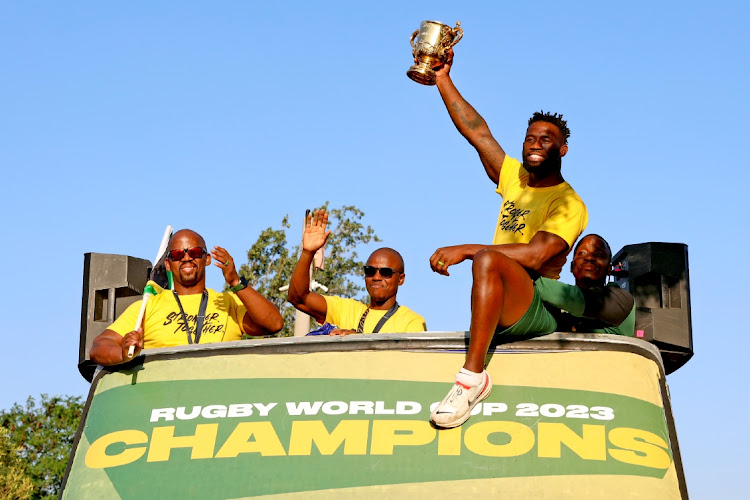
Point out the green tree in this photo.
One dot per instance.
(271, 261)
(43, 437)
(14, 483)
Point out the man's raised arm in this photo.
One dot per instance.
(300, 295)
(470, 123)
(262, 316)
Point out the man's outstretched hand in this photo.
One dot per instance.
(315, 234)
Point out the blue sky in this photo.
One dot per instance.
(120, 118)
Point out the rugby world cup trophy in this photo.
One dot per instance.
(434, 39)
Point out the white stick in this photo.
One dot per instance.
(146, 295)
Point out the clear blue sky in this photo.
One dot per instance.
(118, 118)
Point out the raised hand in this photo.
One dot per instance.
(225, 262)
(444, 69)
(315, 234)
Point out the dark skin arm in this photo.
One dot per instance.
(110, 348)
(262, 317)
(300, 295)
(469, 123)
(532, 255)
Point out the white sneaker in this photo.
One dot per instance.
(455, 409)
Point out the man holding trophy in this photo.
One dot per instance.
(540, 219)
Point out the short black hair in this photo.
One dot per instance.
(554, 119)
(597, 236)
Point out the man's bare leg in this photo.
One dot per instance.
(501, 293)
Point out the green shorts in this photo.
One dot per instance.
(536, 321)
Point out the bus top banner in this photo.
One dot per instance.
(355, 423)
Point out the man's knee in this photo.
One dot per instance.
(492, 265)
(489, 262)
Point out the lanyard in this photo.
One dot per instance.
(382, 321)
(201, 316)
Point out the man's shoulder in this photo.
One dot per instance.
(570, 202)
(615, 290)
(512, 172)
(406, 311)
(337, 301)
(566, 190)
(609, 295)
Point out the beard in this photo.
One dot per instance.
(190, 278)
(552, 163)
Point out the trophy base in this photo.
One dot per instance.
(422, 73)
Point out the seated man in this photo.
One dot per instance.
(540, 218)
(384, 273)
(191, 313)
(590, 306)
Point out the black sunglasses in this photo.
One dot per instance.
(193, 253)
(385, 272)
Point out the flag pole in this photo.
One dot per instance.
(149, 290)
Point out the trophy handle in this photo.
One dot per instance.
(457, 32)
(413, 36)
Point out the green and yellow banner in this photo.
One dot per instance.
(356, 425)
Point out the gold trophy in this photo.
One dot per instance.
(433, 43)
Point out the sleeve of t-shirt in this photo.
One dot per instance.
(567, 219)
(237, 310)
(610, 304)
(126, 321)
(562, 296)
(416, 325)
(508, 170)
(333, 308)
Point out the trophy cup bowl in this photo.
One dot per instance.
(433, 41)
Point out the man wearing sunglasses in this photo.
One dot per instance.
(384, 273)
(540, 219)
(191, 313)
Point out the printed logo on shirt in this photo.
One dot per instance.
(513, 218)
(211, 324)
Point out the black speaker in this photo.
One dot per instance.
(110, 284)
(657, 276)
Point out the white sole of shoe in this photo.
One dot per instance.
(481, 397)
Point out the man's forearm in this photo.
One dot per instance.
(299, 289)
(522, 253)
(106, 352)
(263, 313)
(466, 119)
(299, 286)
(473, 127)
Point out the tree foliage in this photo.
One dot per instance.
(271, 261)
(42, 435)
(14, 483)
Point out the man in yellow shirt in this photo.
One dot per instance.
(539, 221)
(384, 273)
(191, 313)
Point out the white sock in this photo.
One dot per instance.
(469, 378)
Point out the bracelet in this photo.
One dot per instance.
(239, 286)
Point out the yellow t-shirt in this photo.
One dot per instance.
(346, 313)
(163, 325)
(526, 210)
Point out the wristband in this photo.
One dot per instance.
(239, 286)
